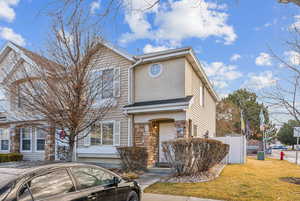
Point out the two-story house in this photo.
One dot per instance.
(163, 95)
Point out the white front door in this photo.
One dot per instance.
(166, 132)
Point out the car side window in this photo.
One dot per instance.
(50, 184)
(24, 194)
(89, 177)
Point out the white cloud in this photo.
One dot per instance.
(9, 34)
(261, 80)
(220, 74)
(264, 59)
(296, 24)
(292, 57)
(178, 20)
(6, 11)
(150, 48)
(94, 6)
(235, 57)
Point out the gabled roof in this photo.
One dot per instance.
(118, 51)
(36, 58)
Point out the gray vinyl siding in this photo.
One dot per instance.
(108, 58)
(202, 116)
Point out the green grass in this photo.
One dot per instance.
(254, 181)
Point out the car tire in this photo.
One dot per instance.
(133, 196)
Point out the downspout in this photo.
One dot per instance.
(131, 97)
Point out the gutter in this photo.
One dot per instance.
(131, 80)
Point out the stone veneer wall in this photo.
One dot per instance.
(14, 134)
(50, 144)
(147, 135)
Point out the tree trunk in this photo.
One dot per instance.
(69, 157)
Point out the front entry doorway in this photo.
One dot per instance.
(166, 132)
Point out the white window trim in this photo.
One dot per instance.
(149, 70)
(35, 142)
(5, 151)
(105, 145)
(101, 101)
(21, 141)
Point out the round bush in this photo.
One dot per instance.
(191, 156)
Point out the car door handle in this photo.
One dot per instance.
(92, 197)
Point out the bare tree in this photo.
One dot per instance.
(284, 96)
(297, 2)
(66, 89)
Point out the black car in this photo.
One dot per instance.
(65, 182)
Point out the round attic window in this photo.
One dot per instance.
(155, 70)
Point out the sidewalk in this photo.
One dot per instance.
(158, 197)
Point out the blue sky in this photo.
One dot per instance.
(231, 38)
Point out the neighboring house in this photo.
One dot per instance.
(163, 95)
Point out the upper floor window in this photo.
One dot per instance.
(155, 70)
(106, 83)
(20, 97)
(4, 139)
(202, 95)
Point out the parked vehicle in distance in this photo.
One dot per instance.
(65, 182)
(279, 147)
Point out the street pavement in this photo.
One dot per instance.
(288, 155)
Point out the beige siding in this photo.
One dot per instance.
(106, 59)
(202, 116)
(169, 85)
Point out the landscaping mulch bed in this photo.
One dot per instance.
(209, 175)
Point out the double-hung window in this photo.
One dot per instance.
(102, 134)
(40, 139)
(4, 139)
(25, 138)
(107, 83)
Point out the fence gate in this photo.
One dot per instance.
(237, 151)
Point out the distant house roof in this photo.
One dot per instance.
(38, 59)
(186, 99)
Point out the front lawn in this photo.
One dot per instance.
(254, 181)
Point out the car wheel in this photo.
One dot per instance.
(133, 196)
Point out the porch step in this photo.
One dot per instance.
(160, 170)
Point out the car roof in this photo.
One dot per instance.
(12, 171)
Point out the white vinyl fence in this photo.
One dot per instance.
(237, 151)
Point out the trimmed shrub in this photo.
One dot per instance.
(10, 157)
(191, 156)
(133, 158)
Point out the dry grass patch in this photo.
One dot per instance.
(254, 181)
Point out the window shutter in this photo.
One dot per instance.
(117, 128)
(117, 83)
(201, 96)
(13, 99)
(87, 140)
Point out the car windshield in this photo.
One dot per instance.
(4, 190)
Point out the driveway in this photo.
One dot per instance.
(288, 155)
(158, 197)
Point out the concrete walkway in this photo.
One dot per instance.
(154, 176)
(158, 197)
